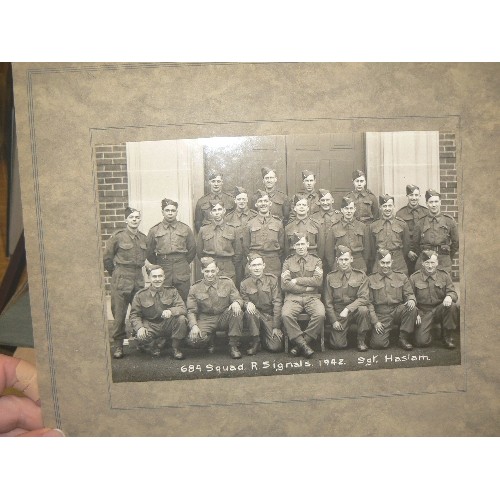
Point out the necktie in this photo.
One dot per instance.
(302, 262)
(212, 293)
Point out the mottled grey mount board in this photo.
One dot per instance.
(62, 110)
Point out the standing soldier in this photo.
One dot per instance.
(352, 233)
(220, 241)
(261, 295)
(124, 258)
(264, 235)
(301, 279)
(391, 233)
(367, 209)
(171, 245)
(158, 312)
(309, 193)
(392, 304)
(436, 301)
(346, 301)
(436, 231)
(238, 218)
(411, 213)
(302, 223)
(280, 201)
(203, 206)
(214, 304)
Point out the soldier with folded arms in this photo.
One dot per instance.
(157, 314)
(392, 304)
(301, 279)
(261, 295)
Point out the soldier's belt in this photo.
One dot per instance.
(173, 255)
(130, 266)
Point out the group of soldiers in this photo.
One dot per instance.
(267, 259)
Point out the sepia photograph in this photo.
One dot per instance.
(280, 254)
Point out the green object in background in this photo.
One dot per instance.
(16, 328)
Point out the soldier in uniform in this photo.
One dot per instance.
(301, 279)
(326, 214)
(411, 213)
(261, 295)
(124, 258)
(220, 241)
(436, 301)
(309, 193)
(346, 301)
(158, 312)
(264, 235)
(352, 233)
(436, 231)
(171, 245)
(214, 304)
(391, 233)
(280, 201)
(392, 304)
(203, 206)
(302, 223)
(238, 218)
(366, 203)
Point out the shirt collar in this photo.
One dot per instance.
(170, 224)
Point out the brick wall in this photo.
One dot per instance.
(448, 184)
(113, 189)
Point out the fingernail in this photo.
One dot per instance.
(54, 433)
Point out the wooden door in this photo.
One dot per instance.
(332, 157)
(241, 160)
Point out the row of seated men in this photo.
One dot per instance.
(172, 245)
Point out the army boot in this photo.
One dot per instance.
(304, 347)
(403, 341)
(118, 351)
(254, 347)
(176, 352)
(448, 339)
(362, 347)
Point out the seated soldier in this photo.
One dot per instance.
(261, 295)
(301, 279)
(158, 312)
(214, 304)
(346, 301)
(392, 304)
(436, 301)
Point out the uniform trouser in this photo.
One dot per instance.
(398, 262)
(263, 322)
(448, 317)
(295, 305)
(125, 283)
(360, 317)
(444, 263)
(177, 273)
(393, 317)
(174, 327)
(226, 321)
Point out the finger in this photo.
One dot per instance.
(43, 432)
(16, 412)
(20, 375)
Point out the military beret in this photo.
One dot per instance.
(239, 190)
(261, 193)
(346, 201)
(382, 252)
(299, 197)
(307, 173)
(430, 193)
(252, 256)
(296, 237)
(213, 174)
(358, 173)
(342, 249)
(214, 203)
(323, 193)
(130, 210)
(427, 254)
(385, 199)
(266, 170)
(206, 261)
(410, 188)
(167, 201)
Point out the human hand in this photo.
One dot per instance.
(142, 333)
(194, 333)
(337, 326)
(251, 308)
(277, 333)
(412, 256)
(447, 301)
(418, 321)
(344, 313)
(379, 328)
(21, 416)
(167, 313)
(410, 305)
(236, 308)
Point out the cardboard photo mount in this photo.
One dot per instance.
(64, 110)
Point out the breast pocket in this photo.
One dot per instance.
(397, 291)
